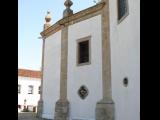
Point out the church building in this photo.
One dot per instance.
(91, 63)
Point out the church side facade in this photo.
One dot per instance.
(125, 61)
(76, 43)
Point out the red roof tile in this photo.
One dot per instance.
(29, 73)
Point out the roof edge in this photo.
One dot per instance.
(29, 73)
(72, 19)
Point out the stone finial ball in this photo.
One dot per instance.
(68, 3)
(48, 17)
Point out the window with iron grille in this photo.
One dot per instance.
(83, 51)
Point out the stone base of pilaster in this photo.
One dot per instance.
(61, 110)
(40, 109)
(105, 110)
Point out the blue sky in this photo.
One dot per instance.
(31, 14)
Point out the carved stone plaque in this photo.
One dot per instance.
(83, 92)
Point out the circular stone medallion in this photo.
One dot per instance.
(83, 92)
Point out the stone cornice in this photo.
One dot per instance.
(77, 17)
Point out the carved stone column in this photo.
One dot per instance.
(105, 107)
(62, 105)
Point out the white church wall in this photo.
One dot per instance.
(51, 74)
(88, 75)
(31, 99)
(125, 61)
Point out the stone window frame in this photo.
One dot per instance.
(87, 38)
(125, 15)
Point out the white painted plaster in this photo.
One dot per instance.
(51, 74)
(125, 61)
(88, 75)
(32, 99)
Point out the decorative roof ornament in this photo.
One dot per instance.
(47, 19)
(67, 12)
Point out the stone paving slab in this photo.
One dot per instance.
(28, 116)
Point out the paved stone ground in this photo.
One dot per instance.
(28, 116)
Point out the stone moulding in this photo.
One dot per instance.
(77, 17)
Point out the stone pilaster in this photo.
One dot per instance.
(105, 107)
(61, 110)
(40, 102)
(105, 110)
(40, 109)
(62, 105)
